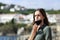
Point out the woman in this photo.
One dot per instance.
(41, 29)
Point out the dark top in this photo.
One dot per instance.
(43, 33)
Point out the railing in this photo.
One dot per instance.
(21, 37)
(8, 37)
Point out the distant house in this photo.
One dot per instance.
(12, 7)
(6, 7)
(16, 7)
(12, 10)
(2, 7)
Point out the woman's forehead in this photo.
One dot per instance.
(37, 12)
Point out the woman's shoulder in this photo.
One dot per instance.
(47, 28)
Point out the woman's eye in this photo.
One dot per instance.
(37, 15)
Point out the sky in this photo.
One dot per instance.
(46, 4)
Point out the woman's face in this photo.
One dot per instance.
(38, 16)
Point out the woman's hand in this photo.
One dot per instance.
(33, 33)
(35, 27)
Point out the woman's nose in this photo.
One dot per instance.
(36, 16)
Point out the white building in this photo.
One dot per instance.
(2, 7)
(12, 10)
(17, 7)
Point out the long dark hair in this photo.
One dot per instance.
(43, 14)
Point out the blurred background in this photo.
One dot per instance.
(16, 17)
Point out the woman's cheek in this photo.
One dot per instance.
(35, 19)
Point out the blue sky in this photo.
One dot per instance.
(46, 4)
